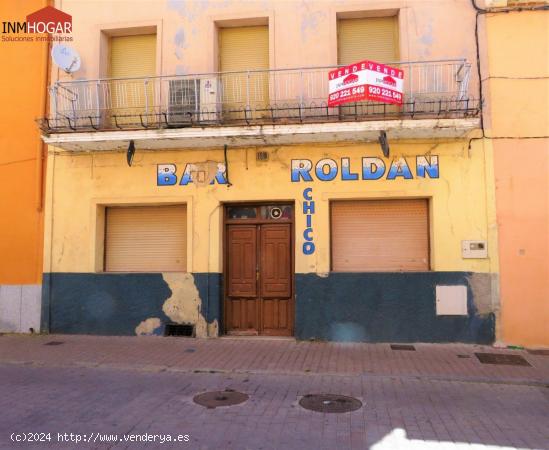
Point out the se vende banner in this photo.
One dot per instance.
(365, 80)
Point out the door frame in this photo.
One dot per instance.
(256, 221)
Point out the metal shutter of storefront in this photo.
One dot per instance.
(374, 38)
(380, 235)
(146, 239)
(242, 49)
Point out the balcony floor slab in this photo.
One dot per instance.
(262, 135)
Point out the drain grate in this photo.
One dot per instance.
(407, 347)
(190, 350)
(213, 399)
(502, 358)
(539, 352)
(463, 356)
(176, 329)
(54, 343)
(330, 403)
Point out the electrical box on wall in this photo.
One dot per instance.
(474, 249)
(451, 300)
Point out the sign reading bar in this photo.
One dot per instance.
(365, 80)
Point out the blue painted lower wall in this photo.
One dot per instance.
(368, 307)
(115, 304)
(385, 307)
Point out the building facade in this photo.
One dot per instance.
(517, 125)
(198, 182)
(22, 158)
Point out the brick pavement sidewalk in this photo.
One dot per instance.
(262, 355)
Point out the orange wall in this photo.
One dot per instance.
(518, 118)
(522, 197)
(21, 96)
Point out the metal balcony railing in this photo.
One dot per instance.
(432, 88)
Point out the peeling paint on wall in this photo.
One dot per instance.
(426, 39)
(179, 38)
(482, 287)
(191, 10)
(179, 43)
(181, 69)
(149, 327)
(310, 21)
(183, 306)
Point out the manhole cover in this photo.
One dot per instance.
(53, 343)
(403, 347)
(502, 358)
(542, 352)
(214, 399)
(329, 403)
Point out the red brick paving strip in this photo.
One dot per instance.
(256, 355)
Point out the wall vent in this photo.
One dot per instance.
(176, 329)
(262, 156)
(405, 347)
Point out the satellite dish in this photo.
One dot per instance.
(67, 58)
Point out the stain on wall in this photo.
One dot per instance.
(385, 307)
(484, 288)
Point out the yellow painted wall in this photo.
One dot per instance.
(79, 185)
(21, 96)
(517, 93)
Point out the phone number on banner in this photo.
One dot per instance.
(353, 94)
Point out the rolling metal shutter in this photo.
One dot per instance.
(146, 239)
(242, 49)
(374, 38)
(133, 56)
(380, 235)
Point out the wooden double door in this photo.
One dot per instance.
(259, 273)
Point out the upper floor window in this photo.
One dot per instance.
(243, 49)
(132, 57)
(374, 38)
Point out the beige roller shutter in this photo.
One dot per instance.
(146, 239)
(374, 38)
(242, 49)
(132, 56)
(380, 235)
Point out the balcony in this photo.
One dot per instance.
(263, 101)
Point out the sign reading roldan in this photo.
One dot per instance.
(365, 80)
